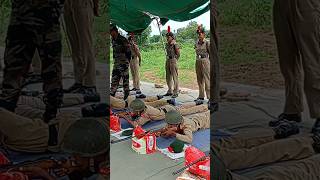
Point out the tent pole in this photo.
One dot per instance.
(164, 47)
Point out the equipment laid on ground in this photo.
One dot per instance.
(145, 144)
(115, 124)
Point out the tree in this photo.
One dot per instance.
(188, 32)
(143, 39)
(155, 39)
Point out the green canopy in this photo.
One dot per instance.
(133, 15)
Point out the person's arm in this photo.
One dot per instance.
(186, 137)
(137, 51)
(177, 50)
(96, 8)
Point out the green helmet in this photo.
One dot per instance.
(137, 105)
(173, 117)
(177, 146)
(87, 137)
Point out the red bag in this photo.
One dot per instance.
(201, 168)
(115, 124)
(3, 159)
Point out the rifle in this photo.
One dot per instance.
(189, 165)
(47, 164)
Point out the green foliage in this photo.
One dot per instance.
(254, 13)
(143, 39)
(188, 32)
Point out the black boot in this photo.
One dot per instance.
(159, 97)
(10, 106)
(172, 101)
(199, 99)
(286, 129)
(141, 96)
(75, 87)
(168, 94)
(283, 116)
(316, 142)
(199, 102)
(90, 94)
(213, 106)
(95, 110)
(126, 95)
(316, 126)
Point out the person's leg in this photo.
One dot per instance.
(200, 78)
(50, 53)
(193, 110)
(70, 18)
(23, 134)
(308, 40)
(169, 77)
(17, 63)
(286, 149)
(174, 74)
(84, 19)
(206, 77)
(134, 67)
(157, 103)
(289, 56)
(116, 103)
(126, 85)
(115, 79)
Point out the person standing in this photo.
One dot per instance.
(173, 55)
(34, 25)
(296, 26)
(79, 18)
(121, 56)
(202, 48)
(135, 64)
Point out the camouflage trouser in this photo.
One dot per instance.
(120, 71)
(21, 42)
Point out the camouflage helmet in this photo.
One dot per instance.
(137, 105)
(173, 117)
(87, 137)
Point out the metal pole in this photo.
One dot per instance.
(164, 47)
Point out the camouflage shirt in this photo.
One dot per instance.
(36, 13)
(121, 47)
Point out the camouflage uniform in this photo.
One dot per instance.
(34, 25)
(120, 70)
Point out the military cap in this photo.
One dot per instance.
(177, 146)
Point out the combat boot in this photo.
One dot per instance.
(213, 106)
(172, 101)
(159, 97)
(286, 129)
(90, 94)
(73, 88)
(95, 110)
(316, 126)
(199, 99)
(10, 106)
(316, 142)
(141, 96)
(283, 116)
(198, 102)
(175, 95)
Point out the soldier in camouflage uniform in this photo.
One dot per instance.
(121, 56)
(173, 54)
(34, 25)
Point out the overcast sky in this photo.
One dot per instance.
(174, 25)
